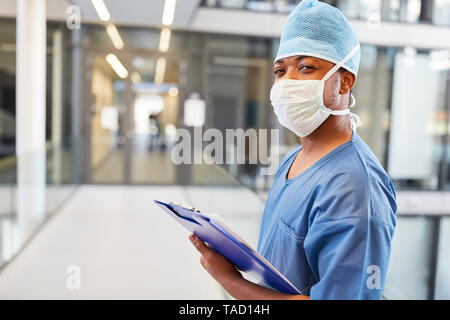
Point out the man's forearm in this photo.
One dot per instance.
(231, 279)
(242, 289)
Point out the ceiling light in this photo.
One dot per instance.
(117, 66)
(164, 40)
(168, 13)
(115, 36)
(160, 70)
(173, 92)
(101, 9)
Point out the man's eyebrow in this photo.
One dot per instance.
(296, 59)
(278, 61)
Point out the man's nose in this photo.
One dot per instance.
(291, 73)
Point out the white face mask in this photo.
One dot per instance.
(299, 105)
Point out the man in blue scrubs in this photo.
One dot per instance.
(330, 215)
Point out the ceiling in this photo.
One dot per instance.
(139, 12)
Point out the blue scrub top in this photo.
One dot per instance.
(329, 229)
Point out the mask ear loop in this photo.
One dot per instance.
(331, 72)
(352, 97)
(355, 120)
(341, 63)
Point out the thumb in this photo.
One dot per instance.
(199, 244)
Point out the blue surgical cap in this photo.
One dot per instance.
(319, 30)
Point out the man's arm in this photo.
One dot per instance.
(231, 279)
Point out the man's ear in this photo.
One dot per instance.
(348, 80)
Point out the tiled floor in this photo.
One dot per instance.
(125, 246)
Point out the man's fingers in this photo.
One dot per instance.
(199, 244)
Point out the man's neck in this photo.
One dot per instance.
(336, 130)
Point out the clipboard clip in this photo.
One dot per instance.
(185, 206)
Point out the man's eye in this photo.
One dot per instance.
(277, 71)
(303, 68)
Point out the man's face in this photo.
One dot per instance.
(311, 68)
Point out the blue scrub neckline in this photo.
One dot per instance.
(318, 162)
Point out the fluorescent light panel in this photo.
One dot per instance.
(117, 66)
(115, 36)
(160, 70)
(164, 40)
(101, 9)
(168, 13)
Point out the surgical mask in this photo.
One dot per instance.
(298, 104)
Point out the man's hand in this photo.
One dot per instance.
(219, 267)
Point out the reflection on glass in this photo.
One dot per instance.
(409, 269)
(106, 123)
(441, 12)
(443, 262)
(7, 88)
(415, 145)
(46, 180)
(372, 93)
(18, 221)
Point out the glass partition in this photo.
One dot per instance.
(374, 11)
(443, 261)
(417, 137)
(398, 91)
(28, 199)
(34, 185)
(418, 268)
(410, 270)
(7, 88)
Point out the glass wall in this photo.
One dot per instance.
(16, 228)
(373, 93)
(7, 87)
(401, 98)
(418, 134)
(420, 272)
(442, 279)
(374, 11)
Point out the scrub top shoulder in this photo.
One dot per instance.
(329, 229)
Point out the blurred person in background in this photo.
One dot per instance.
(154, 132)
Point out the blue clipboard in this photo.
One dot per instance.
(222, 239)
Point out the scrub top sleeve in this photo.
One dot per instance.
(349, 258)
